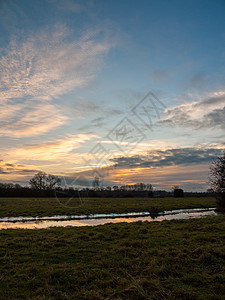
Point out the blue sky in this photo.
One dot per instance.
(73, 71)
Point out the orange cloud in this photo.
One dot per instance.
(161, 177)
(22, 120)
(9, 170)
(50, 151)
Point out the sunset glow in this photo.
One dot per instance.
(73, 85)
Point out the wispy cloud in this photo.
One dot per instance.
(49, 64)
(11, 171)
(49, 151)
(205, 113)
(40, 68)
(29, 119)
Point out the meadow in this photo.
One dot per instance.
(13, 207)
(182, 259)
(167, 260)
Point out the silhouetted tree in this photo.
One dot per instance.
(178, 193)
(217, 180)
(96, 183)
(18, 186)
(43, 181)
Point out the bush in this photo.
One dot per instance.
(178, 193)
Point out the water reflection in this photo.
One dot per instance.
(40, 224)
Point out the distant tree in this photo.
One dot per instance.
(149, 187)
(177, 192)
(217, 180)
(52, 181)
(96, 183)
(18, 186)
(43, 181)
(9, 185)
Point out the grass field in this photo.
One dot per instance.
(12, 207)
(167, 260)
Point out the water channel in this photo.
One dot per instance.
(100, 219)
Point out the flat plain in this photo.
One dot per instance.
(141, 260)
(14, 207)
(180, 259)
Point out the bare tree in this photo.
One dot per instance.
(52, 181)
(43, 181)
(96, 183)
(217, 180)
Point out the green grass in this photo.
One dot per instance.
(51, 206)
(169, 260)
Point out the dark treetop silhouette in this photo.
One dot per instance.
(217, 180)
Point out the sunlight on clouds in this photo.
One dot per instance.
(49, 64)
(145, 146)
(22, 120)
(208, 112)
(161, 177)
(58, 149)
(40, 68)
(10, 170)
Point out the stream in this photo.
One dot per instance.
(100, 219)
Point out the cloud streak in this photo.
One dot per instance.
(206, 113)
(8, 169)
(38, 69)
(29, 119)
(169, 157)
(49, 64)
(50, 151)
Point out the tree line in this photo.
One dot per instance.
(48, 185)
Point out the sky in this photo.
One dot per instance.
(128, 91)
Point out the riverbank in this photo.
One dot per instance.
(32, 207)
(169, 260)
